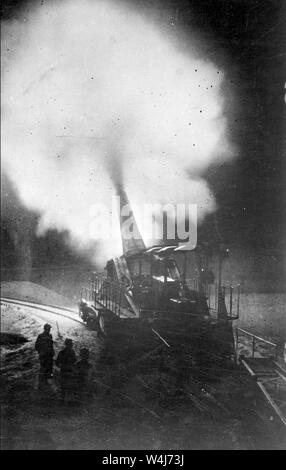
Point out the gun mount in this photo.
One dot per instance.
(145, 288)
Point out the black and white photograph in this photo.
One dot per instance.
(143, 227)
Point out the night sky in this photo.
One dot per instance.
(247, 39)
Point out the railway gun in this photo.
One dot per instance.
(145, 294)
(143, 299)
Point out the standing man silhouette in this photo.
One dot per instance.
(44, 347)
(65, 362)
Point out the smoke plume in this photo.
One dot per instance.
(95, 95)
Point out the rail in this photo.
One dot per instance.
(42, 307)
(109, 294)
(230, 294)
(255, 340)
(270, 378)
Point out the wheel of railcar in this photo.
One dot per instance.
(89, 318)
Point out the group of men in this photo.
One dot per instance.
(73, 372)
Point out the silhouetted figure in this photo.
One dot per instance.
(44, 347)
(82, 373)
(65, 361)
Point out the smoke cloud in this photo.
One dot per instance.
(95, 95)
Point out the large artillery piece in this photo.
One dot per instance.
(144, 292)
(158, 322)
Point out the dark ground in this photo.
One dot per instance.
(133, 402)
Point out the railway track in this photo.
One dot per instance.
(55, 310)
(268, 372)
(270, 377)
